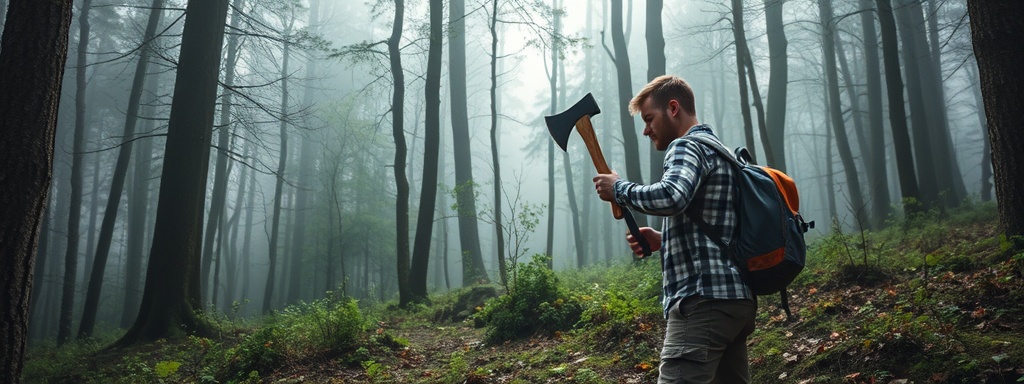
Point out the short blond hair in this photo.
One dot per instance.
(663, 89)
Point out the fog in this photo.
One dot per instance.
(333, 99)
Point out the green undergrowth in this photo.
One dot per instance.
(935, 297)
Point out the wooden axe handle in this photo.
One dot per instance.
(586, 131)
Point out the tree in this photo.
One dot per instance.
(92, 296)
(655, 66)
(553, 86)
(897, 111)
(302, 195)
(621, 60)
(171, 297)
(431, 145)
(741, 72)
(221, 172)
(275, 227)
(473, 270)
(778, 83)
(995, 31)
(398, 133)
(33, 51)
(949, 184)
(877, 171)
(67, 304)
(928, 174)
(499, 232)
(838, 126)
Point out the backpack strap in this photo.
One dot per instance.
(711, 231)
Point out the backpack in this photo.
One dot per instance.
(769, 248)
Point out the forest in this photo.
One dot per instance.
(366, 191)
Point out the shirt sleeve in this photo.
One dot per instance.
(685, 168)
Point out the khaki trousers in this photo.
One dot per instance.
(706, 341)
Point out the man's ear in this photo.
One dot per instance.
(673, 107)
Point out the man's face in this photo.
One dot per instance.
(657, 124)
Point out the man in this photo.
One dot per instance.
(710, 312)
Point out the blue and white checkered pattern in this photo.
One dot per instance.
(696, 178)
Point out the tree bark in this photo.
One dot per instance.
(996, 31)
(778, 82)
(625, 85)
(473, 270)
(838, 126)
(92, 296)
(172, 295)
(928, 172)
(275, 227)
(986, 150)
(553, 87)
(655, 67)
(33, 51)
(897, 112)
(741, 72)
(431, 146)
(499, 231)
(302, 197)
(67, 303)
(138, 212)
(398, 133)
(878, 175)
(220, 176)
(948, 177)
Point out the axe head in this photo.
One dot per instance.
(561, 125)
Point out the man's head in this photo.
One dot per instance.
(666, 105)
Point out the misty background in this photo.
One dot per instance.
(303, 136)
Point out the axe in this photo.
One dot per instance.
(560, 126)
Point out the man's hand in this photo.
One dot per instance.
(653, 238)
(604, 183)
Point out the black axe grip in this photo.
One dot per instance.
(635, 231)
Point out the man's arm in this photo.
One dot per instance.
(671, 195)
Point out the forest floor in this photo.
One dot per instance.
(938, 301)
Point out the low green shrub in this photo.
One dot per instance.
(534, 303)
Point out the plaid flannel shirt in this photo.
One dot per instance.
(694, 178)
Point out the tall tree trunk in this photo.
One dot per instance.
(741, 42)
(838, 126)
(232, 247)
(431, 145)
(553, 87)
(398, 133)
(282, 162)
(655, 67)
(90, 231)
(944, 140)
(220, 176)
(33, 51)
(67, 304)
(246, 255)
(298, 253)
(948, 179)
(928, 173)
(171, 297)
(778, 82)
(762, 127)
(499, 231)
(92, 296)
(856, 113)
(625, 85)
(996, 32)
(897, 112)
(39, 270)
(878, 174)
(986, 150)
(473, 269)
(138, 211)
